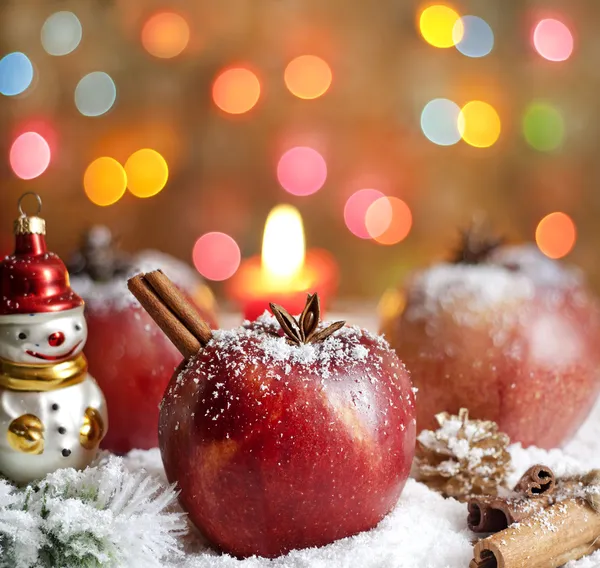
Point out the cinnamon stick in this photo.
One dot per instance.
(494, 514)
(171, 312)
(536, 482)
(565, 531)
(178, 304)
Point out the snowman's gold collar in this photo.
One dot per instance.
(42, 378)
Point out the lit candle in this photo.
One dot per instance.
(285, 273)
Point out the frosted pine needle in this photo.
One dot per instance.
(102, 517)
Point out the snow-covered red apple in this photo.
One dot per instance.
(283, 433)
(507, 333)
(129, 356)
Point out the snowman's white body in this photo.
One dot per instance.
(24, 339)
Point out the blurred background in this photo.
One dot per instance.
(387, 124)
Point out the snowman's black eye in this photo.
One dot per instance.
(22, 336)
(77, 327)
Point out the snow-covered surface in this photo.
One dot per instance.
(423, 531)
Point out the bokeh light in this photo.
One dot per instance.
(29, 155)
(95, 94)
(104, 181)
(543, 127)
(440, 26)
(556, 235)
(165, 35)
(356, 208)
(479, 124)
(308, 77)
(473, 36)
(16, 73)
(216, 256)
(388, 220)
(439, 122)
(301, 171)
(61, 33)
(553, 40)
(147, 173)
(236, 90)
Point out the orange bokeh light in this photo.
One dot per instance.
(556, 235)
(308, 76)
(388, 220)
(165, 35)
(104, 181)
(236, 90)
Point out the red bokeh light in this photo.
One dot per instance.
(302, 171)
(553, 40)
(29, 155)
(216, 256)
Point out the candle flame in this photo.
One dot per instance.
(283, 245)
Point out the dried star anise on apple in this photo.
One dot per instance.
(305, 328)
(476, 244)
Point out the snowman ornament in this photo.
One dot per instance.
(52, 412)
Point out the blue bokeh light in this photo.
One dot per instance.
(439, 122)
(16, 73)
(477, 36)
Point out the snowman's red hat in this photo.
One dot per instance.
(33, 280)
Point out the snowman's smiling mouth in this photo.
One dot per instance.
(52, 357)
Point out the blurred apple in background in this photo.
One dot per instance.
(505, 332)
(128, 354)
(277, 446)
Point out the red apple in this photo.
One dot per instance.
(128, 354)
(509, 334)
(278, 446)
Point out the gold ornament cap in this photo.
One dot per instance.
(30, 225)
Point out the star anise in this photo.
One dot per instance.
(476, 244)
(304, 329)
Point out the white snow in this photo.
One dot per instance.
(423, 531)
(115, 293)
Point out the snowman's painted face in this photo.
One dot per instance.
(42, 338)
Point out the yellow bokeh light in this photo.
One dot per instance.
(147, 173)
(308, 76)
(479, 124)
(283, 246)
(441, 26)
(104, 181)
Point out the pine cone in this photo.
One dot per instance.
(463, 457)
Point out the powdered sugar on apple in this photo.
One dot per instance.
(343, 348)
(101, 295)
(510, 274)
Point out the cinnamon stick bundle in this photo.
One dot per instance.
(533, 492)
(172, 312)
(563, 532)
